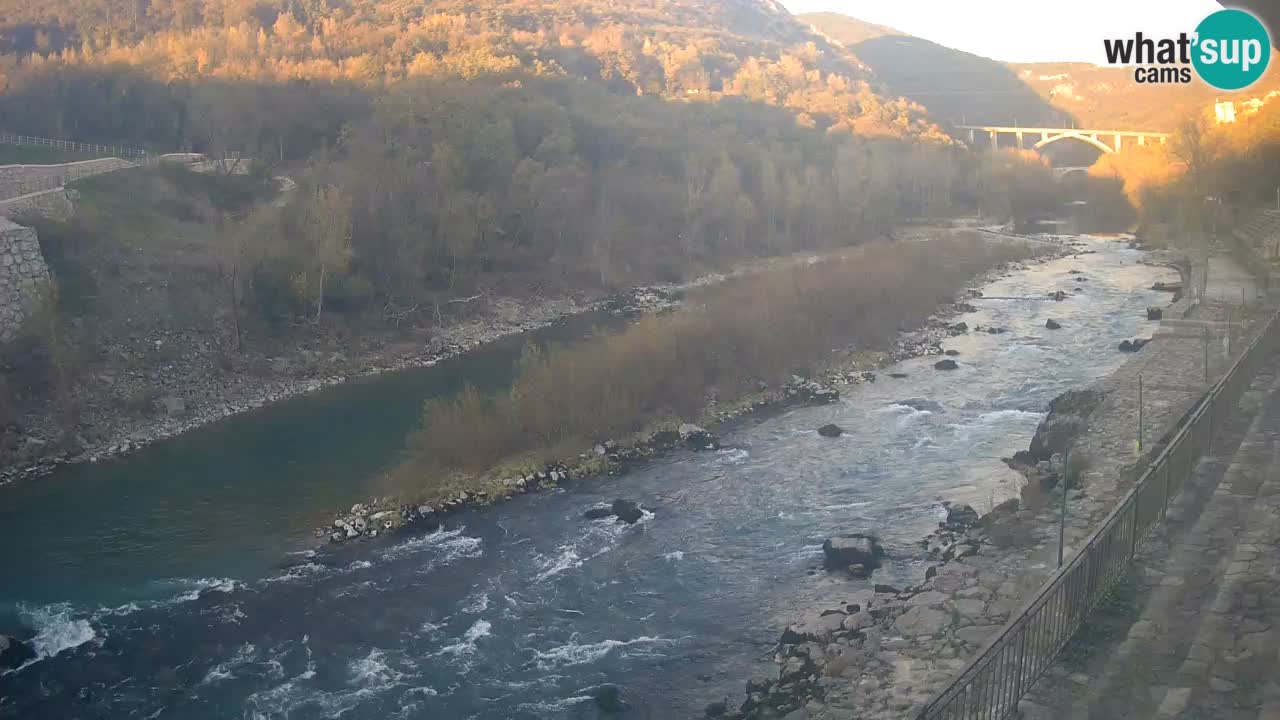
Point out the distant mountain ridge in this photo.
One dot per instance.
(846, 30)
(957, 87)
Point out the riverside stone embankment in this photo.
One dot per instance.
(23, 276)
(886, 651)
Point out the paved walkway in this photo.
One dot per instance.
(1229, 282)
(1206, 639)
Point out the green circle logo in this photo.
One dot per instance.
(1232, 50)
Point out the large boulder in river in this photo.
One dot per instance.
(841, 551)
(626, 511)
(1065, 421)
(961, 517)
(608, 698)
(921, 405)
(598, 512)
(946, 365)
(830, 430)
(13, 652)
(1052, 324)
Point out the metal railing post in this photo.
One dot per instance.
(1133, 533)
(1139, 413)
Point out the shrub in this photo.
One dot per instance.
(759, 327)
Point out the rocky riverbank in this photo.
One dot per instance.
(144, 387)
(168, 383)
(885, 651)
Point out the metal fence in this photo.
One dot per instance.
(992, 683)
(120, 151)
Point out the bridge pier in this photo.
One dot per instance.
(1117, 143)
(1019, 139)
(995, 141)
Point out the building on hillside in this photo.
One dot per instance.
(1224, 112)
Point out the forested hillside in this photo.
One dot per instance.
(689, 49)
(506, 143)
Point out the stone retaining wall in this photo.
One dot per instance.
(16, 180)
(49, 203)
(23, 276)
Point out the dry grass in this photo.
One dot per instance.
(726, 340)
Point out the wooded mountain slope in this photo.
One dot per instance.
(689, 49)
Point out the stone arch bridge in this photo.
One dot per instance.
(1108, 141)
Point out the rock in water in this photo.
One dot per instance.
(608, 698)
(1155, 313)
(897, 376)
(599, 511)
(830, 430)
(921, 405)
(626, 511)
(13, 653)
(1067, 414)
(951, 353)
(841, 551)
(1052, 324)
(961, 517)
(946, 365)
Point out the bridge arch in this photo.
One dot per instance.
(1091, 140)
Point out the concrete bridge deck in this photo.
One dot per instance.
(1047, 136)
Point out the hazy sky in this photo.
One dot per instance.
(1022, 31)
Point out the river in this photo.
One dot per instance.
(153, 586)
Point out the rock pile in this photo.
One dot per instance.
(802, 390)
(853, 651)
(381, 515)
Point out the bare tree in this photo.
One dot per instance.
(327, 221)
